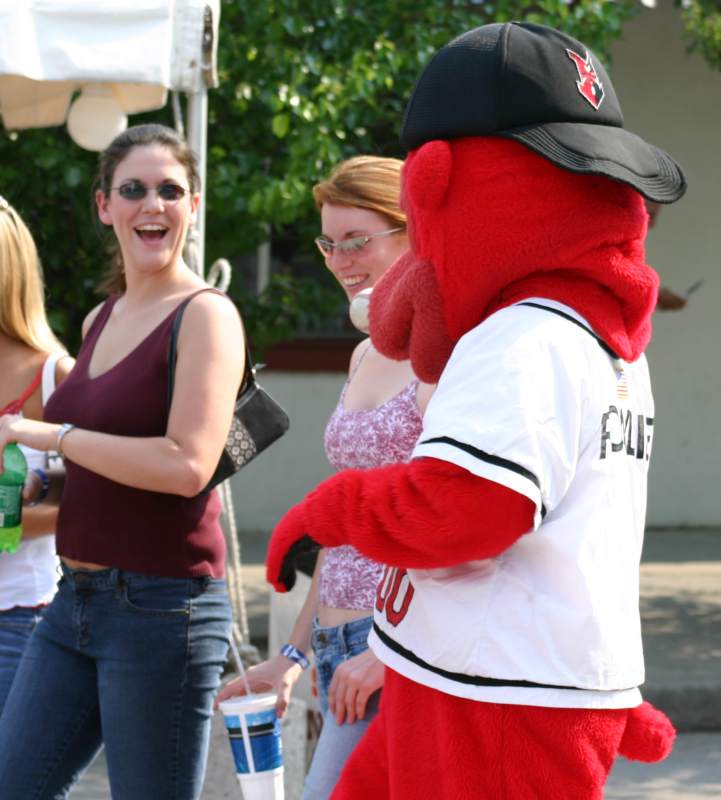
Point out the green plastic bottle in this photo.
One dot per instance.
(12, 480)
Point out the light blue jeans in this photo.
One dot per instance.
(129, 660)
(16, 625)
(331, 647)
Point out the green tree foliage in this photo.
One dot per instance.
(303, 85)
(307, 83)
(48, 178)
(702, 20)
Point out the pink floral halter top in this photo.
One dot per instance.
(361, 440)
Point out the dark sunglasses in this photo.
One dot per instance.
(137, 190)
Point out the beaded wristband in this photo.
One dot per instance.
(44, 489)
(294, 654)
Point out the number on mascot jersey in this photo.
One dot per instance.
(394, 594)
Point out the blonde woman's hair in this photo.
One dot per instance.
(370, 182)
(22, 307)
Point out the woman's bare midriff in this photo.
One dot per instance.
(88, 565)
(332, 617)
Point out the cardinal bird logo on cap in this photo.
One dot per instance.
(588, 84)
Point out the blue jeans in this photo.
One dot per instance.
(331, 647)
(16, 625)
(127, 660)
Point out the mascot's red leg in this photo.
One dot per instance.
(431, 746)
(560, 753)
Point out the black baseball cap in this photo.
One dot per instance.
(544, 89)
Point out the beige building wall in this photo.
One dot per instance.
(673, 100)
(295, 464)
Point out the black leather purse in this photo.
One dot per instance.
(258, 420)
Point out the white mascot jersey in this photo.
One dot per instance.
(533, 400)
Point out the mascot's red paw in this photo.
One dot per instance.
(649, 734)
(289, 540)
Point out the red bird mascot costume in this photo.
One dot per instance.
(508, 615)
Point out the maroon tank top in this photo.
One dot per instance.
(105, 522)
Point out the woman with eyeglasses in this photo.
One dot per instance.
(377, 421)
(130, 651)
(32, 361)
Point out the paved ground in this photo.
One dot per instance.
(681, 615)
(94, 783)
(691, 772)
(681, 612)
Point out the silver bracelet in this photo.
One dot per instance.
(65, 429)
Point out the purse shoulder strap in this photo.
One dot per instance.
(248, 372)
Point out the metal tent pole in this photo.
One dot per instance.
(219, 275)
(198, 141)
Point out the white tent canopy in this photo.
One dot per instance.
(127, 53)
(51, 48)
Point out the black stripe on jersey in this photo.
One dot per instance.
(497, 461)
(563, 314)
(473, 680)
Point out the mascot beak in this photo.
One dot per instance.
(406, 317)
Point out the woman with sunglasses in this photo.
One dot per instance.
(32, 361)
(377, 421)
(130, 651)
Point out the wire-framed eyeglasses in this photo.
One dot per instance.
(135, 190)
(352, 245)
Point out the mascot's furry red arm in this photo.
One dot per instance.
(423, 514)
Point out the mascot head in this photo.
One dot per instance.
(520, 181)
